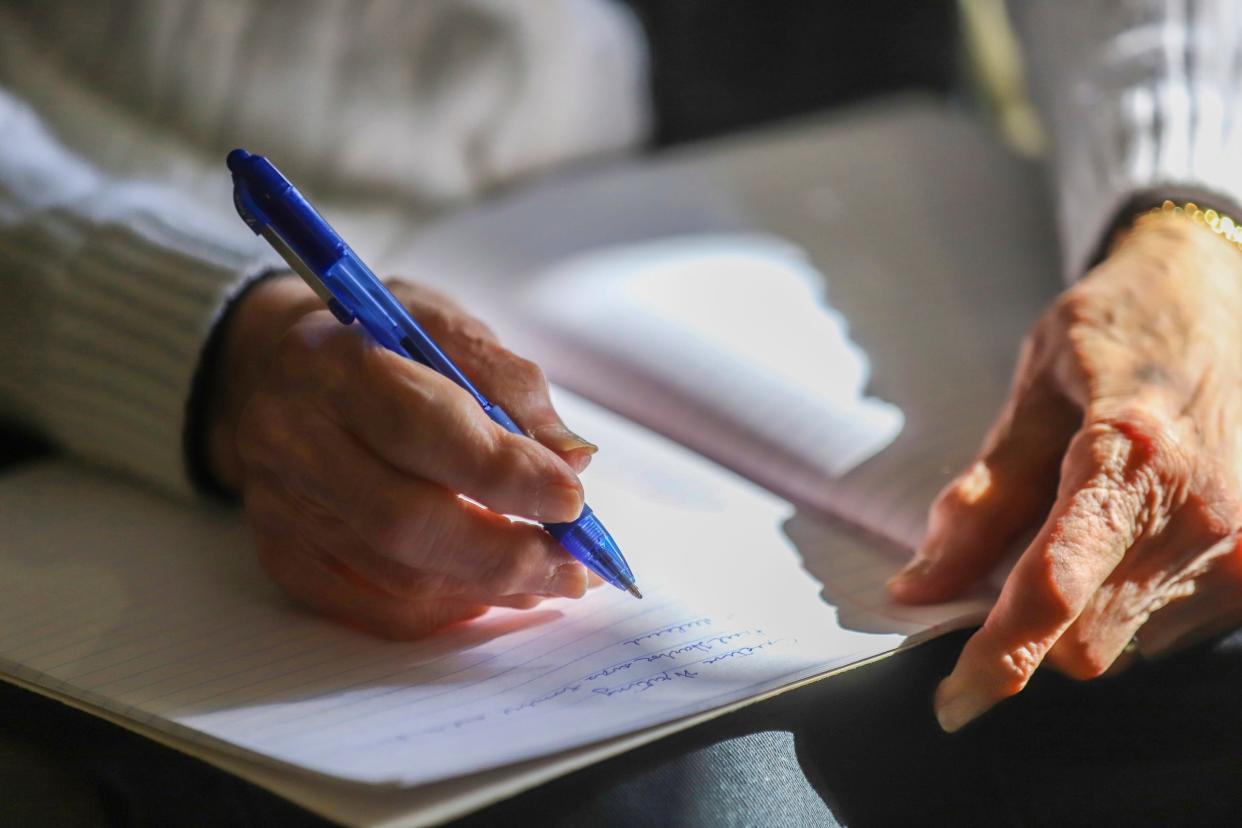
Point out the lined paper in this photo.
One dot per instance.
(159, 613)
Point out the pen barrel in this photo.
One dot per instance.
(387, 320)
(587, 540)
(265, 188)
(501, 418)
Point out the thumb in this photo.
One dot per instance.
(571, 448)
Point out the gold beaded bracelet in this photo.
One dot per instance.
(1209, 219)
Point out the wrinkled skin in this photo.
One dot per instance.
(1122, 441)
(350, 459)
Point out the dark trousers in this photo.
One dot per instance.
(1160, 746)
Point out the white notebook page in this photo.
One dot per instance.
(731, 329)
(734, 344)
(160, 613)
(932, 242)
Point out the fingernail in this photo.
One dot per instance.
(957, 704)
(559, 438)
(569, 581)
(913, 572)
(558, 504)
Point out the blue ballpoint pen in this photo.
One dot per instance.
(275, 210)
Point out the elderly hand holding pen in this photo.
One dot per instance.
(349, 457)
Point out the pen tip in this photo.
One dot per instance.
(633, 590)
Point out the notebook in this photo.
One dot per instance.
(759, 578)
(908, 221)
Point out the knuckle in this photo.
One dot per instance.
(1052, 591)
(466, 331)
(968, 488)
(527, 374)
(962, 495)
(1131, 439)
(408, 397)
(1107, 511)
(1130, 467)
(1016, 666)
(945, 511)
(1077, 306)
(475, 330)
(1067, 310)
(435, 316)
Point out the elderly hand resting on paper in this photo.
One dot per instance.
(1122, 441)
(350, 460)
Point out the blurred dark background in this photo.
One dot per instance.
(722, 65)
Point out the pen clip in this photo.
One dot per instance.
(309, 276)
(261, 224)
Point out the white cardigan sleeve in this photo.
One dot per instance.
(108, 288)
(118, 246)
(1143, 100)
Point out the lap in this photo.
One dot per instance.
(1159, 745)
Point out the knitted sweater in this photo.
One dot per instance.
(118, 241)
(118, 246)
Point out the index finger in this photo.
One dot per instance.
(1086, 535)
(426, 426)
(518, 385)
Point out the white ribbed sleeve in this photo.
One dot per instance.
(1142, 99)
(429, 102)
(118, 245)
(107, 290)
